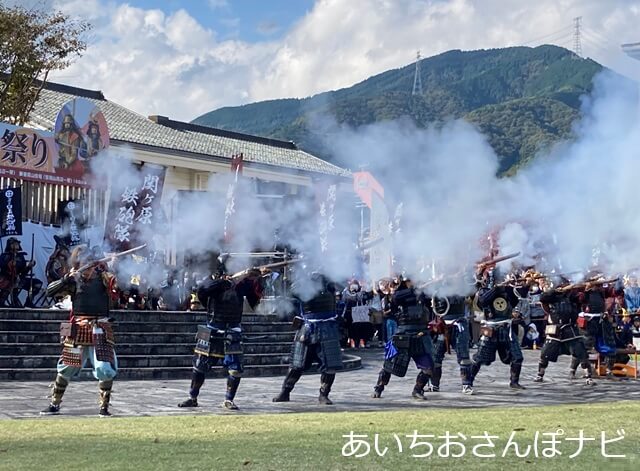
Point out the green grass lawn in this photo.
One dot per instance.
(315, 440)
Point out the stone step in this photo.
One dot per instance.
(128, 326)
(53, 336)
(26, 349)
(136, 361)
(350, 362)
(137, 316)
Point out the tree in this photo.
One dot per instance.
(32, 44)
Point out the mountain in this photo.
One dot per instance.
(522, 98)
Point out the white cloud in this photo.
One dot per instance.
(171, 64)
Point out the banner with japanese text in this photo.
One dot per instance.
(237, 164)
(11, 212)
(72, 220)
(134, 208)
(326, 196)
(63, 156)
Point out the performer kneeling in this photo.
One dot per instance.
(562, 335)
(317, 339)
(220, 341)
(412, 341)
(88, 336)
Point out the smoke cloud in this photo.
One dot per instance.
(573, 208)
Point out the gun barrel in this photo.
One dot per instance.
(496, 260)
(268, 265)
(106, 259)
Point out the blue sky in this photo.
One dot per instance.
(183, 58)
(247, 20)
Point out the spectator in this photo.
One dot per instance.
(355, 302)
(386, 288)
(632, 294)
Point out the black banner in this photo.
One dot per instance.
(11, 212)
(134, 209)
(72, 219)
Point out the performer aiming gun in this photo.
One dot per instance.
(220, 341)
(88, 336)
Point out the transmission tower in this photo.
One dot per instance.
(417, 79)
(577, 42)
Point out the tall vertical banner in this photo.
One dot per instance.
(72, 220)
(326, 196)
(11, 212)
(133, 208)
(237, 164)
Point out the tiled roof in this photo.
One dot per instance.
(204, 143)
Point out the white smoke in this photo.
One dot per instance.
(253, 224)
(576, 199)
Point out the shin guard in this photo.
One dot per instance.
(59, 387)
(232, 387)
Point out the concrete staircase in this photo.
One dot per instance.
(149, 344)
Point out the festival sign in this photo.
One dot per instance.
(61, 157)
(131, 216)
(11, 212)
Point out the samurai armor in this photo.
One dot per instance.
(329, 352)
(84, 335)
(439, 350)
(399, 364)
(107, 333)
(105, 352)
(299, 351)
(460, 339)
(420, 345)
(320, 339)
(486, 353)
(210, 342)
(203, 340)
(72, 356)
(227, 308)
(233, 343)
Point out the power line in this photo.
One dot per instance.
(601, 37)
(563, 32)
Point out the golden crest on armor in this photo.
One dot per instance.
(500, 304)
